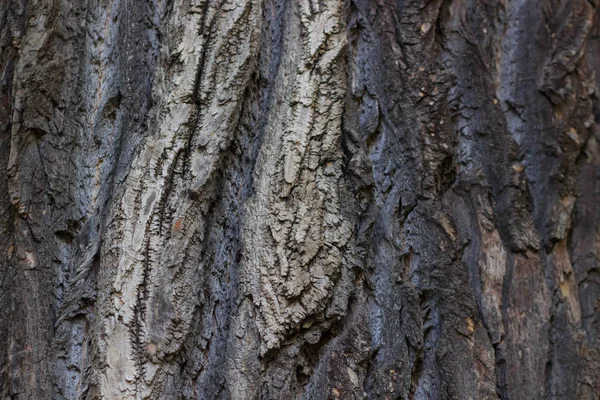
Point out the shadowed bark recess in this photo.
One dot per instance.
(308, 199)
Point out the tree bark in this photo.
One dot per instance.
(276, 199)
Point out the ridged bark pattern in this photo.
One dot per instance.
(276, 199)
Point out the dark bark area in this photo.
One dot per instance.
(272, 199)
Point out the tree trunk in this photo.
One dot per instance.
(285, 199)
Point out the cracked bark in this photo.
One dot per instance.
(270, 199)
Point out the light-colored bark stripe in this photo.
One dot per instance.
(156, 240)
(294, 233)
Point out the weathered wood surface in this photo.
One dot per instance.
(277, 199)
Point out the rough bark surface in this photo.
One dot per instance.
(276, 199)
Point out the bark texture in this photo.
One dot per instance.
(299, 199)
